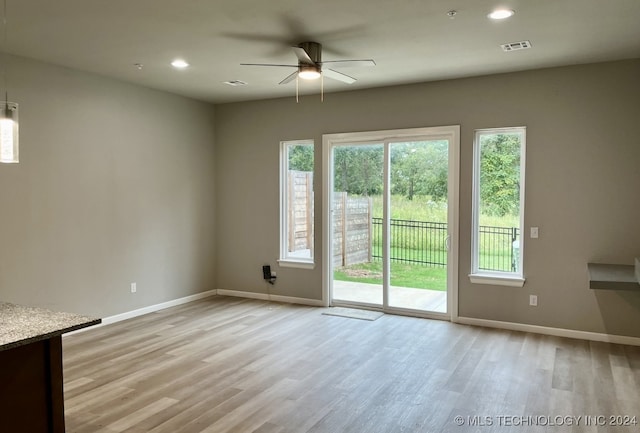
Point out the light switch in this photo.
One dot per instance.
(534, 232)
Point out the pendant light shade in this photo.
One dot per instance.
(8, 132)
(8, 110)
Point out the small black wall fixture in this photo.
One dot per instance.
(267, 275)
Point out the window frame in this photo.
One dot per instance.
(502, 278)
(285, 259)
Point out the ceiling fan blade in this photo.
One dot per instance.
(350, 63)
(330, 73)
(289, 78)
(302, 56)
(268, 64)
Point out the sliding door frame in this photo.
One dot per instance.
(451, 133)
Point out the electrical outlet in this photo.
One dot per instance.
(134, 287)
(533, 300)
(534, 232)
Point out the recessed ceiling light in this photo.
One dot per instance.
(179, 63)
(501, 14)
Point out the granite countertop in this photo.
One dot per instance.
(20, 325)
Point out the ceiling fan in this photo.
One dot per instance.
(310, 64)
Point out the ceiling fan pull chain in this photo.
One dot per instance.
(322, 88)
(297, 100)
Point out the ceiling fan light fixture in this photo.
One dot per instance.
(309, 72)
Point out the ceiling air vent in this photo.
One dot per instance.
(514, 46)
(235, 83)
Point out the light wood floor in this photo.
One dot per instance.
(236, 365)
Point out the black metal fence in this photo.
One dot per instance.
(425, 243)
(499, 248)
(418, 242)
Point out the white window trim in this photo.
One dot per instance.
(300, 264)
(285, 260)
(495, 279)
(477, 276)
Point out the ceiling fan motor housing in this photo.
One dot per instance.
(313, 49)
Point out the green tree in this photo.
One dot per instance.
(500, 174)
(301, 157)
(419, 168)
(358, 169)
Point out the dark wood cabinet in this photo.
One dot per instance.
(31, 379)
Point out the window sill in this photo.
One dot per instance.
(497, 280)
(300, 264)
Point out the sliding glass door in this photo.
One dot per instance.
(390, 220)
(418, 225)
(356, 201)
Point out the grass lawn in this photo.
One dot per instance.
(402, 274)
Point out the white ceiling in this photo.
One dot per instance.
(410, 40)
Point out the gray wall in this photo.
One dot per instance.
(115, 185)
(582, 185)
(119, 183)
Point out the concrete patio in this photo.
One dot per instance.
(400, 297)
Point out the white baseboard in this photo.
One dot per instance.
(269, 297)
(558, 332)
(157, 307)
(511, 326)
(146, 310)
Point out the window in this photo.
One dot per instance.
(296, 203)
(498, 206)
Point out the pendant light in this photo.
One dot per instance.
(8, 110)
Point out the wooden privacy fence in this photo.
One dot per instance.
(352, 221)
(352, 218)
(300, 210)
